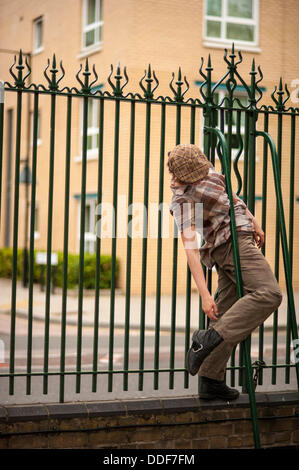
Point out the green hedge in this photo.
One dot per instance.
(73, 269)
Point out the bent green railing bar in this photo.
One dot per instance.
(263, 225)
(238, 191)
(283, 234)
(291, 233)
(277, 243)
(239, 285)
(251, 193)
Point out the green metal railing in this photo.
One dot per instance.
(231, 131)
(239, 285)
(286, 259)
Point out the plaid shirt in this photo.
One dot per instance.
(213, 212)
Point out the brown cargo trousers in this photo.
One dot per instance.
(239, 317)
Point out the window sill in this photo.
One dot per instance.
(90, 156)
(88, 237)
(38, 143)
(38, 51)
(238, 46)
(90, 50)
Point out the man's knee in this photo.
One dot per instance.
(276, 296)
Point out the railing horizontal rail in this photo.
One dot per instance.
(130, 371)
(160, 101)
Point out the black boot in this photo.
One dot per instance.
(203, 343)
(211, 389)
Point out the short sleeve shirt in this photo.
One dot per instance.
(211, 195)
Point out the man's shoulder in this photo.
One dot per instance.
(213, 179)
(214, 172)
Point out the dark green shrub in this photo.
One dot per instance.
(89, 273)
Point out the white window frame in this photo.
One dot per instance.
(36, 48)
(39, 140)
(222, 94)
(90, 236)
(91, 154)
(36, 221)
(97, 45)
(224, 19)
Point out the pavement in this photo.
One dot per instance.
(39, 302)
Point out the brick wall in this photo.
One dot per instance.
(167, 423)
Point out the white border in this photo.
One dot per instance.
(234, 127)
(90, 240)
(91, 154)
(97, 45)
(36, 49)
(223, 41)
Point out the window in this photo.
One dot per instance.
(92, 23)
(36, 222)
(228, 21)
(235, 145)
(90, 224)
(93, 129)
(39, 141)
(243, 98)
(38, 34)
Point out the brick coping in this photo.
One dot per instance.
(163, 405)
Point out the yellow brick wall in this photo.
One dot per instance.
(167, 34)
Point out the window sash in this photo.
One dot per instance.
(221, 94)
(225, 19)
(38, 127)
(231, 19)
(92, 26)
(38, 33)
(89, 230)
(93, 128)
(95, 26)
